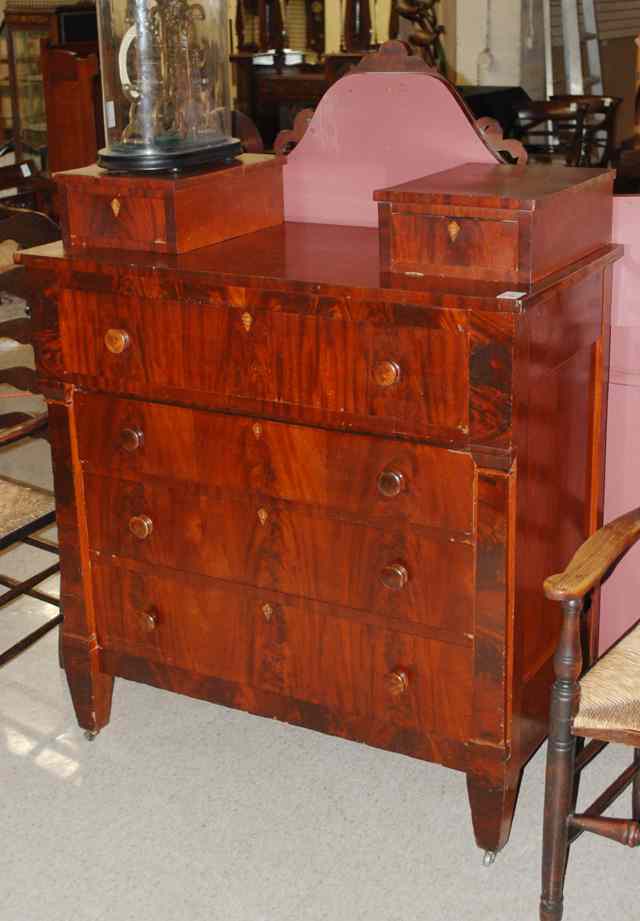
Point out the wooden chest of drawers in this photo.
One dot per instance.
(292, 484)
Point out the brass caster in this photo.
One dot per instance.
(489, 858)
(90, 734)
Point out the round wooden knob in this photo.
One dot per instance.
(148, 619)
(386, 373)
(131, 439)
(117, 340)
(141, 526)
(394, 576)
(390, 483)
(397, 682)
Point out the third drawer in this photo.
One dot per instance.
(396, 570)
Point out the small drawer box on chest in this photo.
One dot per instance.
(494, 223)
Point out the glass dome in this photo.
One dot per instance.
(165, 84)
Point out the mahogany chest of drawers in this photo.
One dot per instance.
(295, 484)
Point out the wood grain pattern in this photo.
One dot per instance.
(275, 356)
(275, 545)
(321, 660)
(167, 214)
(446, 224)
(297, 464)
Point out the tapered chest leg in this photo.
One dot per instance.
(91, 690)
(492, 806)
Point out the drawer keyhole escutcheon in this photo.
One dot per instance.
(267, 611)
(394, 576)
(131, 439)
(117, 341)
(263, 514)
(386, 373)
(247, 321)
(390, 483)
(141, 526)
(148, 619)
(453, 229)
(116, 204)
(397, 682)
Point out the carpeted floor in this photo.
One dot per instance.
(185, 811)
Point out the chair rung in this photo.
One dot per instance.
(22, 587)
(588, 753)
(610, 795)
(28, 641)
(624, 831)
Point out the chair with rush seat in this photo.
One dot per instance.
(24, 508)
(603, 705)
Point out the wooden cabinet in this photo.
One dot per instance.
(26, 26)
(294, 482)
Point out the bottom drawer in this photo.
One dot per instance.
(289, 648)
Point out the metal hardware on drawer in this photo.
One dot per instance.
(247, 321)
(257, 429)
(390, 483)
(394, 576)
(116, 204)
(131, 439)
(148, 619)
(263, 514)
(397, 682)
(141, 526)
(267, 611)
(453, 229)
(117, 340)
(386, 373)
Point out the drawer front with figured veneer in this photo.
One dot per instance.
(231, 633)
(361, 476)
(448, 245)
(404, 379)
(399, 571)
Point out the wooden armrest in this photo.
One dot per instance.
(592, 560)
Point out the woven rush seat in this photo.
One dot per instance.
(610, 692)
(20, 505)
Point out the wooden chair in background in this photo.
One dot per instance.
(552, 132)
(598, 128)
(603, 706)
(24, 508)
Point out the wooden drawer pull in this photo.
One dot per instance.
(148, 619)
(390, 483)
(141, 526)
(394, 576)
(131, 439)
(397, 682)
(117, 340)
(386, 373)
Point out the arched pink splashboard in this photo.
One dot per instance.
(372, 130)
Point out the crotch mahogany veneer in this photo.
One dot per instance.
(295, 485)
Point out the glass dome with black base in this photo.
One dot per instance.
(165, 85)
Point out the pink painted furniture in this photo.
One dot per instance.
(622, 483)
(374, 130)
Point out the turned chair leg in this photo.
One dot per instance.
(635, 790)
(560, 775)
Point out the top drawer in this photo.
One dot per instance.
(398, 379)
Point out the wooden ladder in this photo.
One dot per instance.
(581, 45)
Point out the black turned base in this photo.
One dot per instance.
(127, 159)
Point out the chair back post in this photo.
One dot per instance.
(561, 760)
